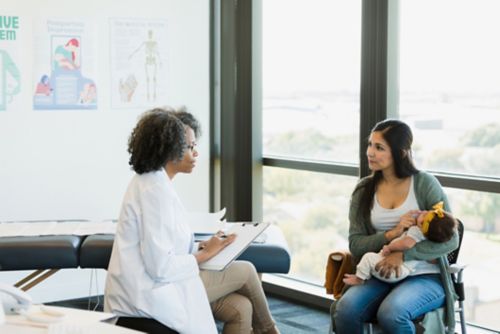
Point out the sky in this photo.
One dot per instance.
(445, 45)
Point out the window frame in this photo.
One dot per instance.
(236, 120)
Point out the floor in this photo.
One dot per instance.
(291, 318)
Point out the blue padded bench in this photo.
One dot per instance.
(272, 256)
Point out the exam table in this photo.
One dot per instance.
(48, 254)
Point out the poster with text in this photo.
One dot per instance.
(138, 62)
(10, 73)
(64, 65)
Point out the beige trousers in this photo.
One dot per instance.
(237, 299)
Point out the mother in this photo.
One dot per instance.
(383, 206)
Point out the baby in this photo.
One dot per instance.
(435, 225)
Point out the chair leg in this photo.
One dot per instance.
(462, 317)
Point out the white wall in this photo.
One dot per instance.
(73, 163)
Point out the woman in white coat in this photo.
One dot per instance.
(153, 271)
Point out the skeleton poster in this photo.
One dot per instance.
(138, 62)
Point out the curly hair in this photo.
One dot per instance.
(188, 119)
(158, 137)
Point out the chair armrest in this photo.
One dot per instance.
(456, 271)
(457, 268)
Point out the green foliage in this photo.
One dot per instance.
(309, 261)
(324, 216)
(486, 206)
(311, 209)
(282, 183)
(309, 142)
(320, 217)
(485, 161)
(485, 136)
(445, 159)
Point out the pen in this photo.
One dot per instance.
(221, 235)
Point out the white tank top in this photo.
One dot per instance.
(385, 219)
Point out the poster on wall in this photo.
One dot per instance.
(138, 62)
(64, 65)
(10, 74)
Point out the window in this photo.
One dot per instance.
(310, 112)
(312, 211)
(311, 56)
(441, 78)
(449, 84)
(480, 251)
(449, 79)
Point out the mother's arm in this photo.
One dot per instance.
(362, 236)
(428, 250)
(429, 192)
(424, 250)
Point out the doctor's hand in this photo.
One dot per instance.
(211, 247)
(389, 264)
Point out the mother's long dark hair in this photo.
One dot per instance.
(400, 138)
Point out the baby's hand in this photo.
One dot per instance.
(385, 250)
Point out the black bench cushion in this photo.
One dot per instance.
(42, 252)
(96, 251)
(269, 257)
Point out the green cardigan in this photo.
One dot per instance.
(364, 238)
(362, 235)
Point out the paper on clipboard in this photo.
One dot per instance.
(206, 223)
(245, 233)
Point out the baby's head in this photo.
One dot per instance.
(437, 225)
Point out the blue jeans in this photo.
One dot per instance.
(394, 305)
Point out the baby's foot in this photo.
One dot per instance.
(350, 279)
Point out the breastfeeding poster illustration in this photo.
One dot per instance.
(138, 62)
(10, 74)
(64, 65)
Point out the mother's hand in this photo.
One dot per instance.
(405, 222)
(408, 219)
(390, 263)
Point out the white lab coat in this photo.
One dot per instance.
(152, 272)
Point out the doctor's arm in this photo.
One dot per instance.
(158, 233)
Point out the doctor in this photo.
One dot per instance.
(153, 271)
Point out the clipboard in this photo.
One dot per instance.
(245, 233)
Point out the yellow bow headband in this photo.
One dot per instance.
(438, 210)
